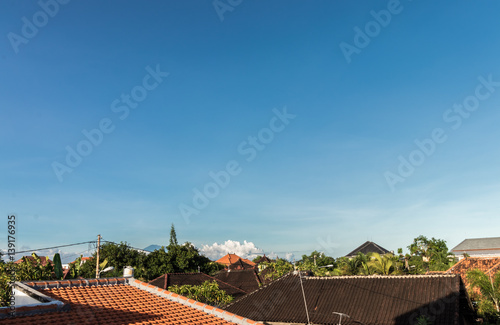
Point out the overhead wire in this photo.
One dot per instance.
(45, 248)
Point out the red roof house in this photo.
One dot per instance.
(110, 301)
(233, 258)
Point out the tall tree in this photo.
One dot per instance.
(173, 237)
(430, 254)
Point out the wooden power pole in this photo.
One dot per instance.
(97, 265)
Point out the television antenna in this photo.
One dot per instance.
(304, 295)
(341, 314)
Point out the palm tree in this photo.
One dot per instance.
(365, 264)
(383, 264)
(488, 285)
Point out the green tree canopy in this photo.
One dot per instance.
(429, 254)
(173, 237)
(208, 292)
(489, 286)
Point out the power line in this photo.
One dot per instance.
(112, 242)
(41, 249)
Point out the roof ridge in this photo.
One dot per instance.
(377, 276)
(46, 284)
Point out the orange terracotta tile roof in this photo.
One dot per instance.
(114, 301)
(487, 265)
(233, 258)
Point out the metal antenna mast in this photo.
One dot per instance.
(340, 314)
(304, 295)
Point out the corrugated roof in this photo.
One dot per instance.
(116, 301)
(491, 243)
(375, 300)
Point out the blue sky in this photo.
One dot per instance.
(328, 177)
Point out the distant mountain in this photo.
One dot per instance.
(152, 248)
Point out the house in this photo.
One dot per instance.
(233, 258)
(367, 248)
(374, 300)
(478, 247)
(263, 259)
(110, 301)
(247, 280)
(488, 265)
(260, 262)
(179, 279)
(241, 265)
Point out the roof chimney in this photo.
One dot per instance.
(128, 272)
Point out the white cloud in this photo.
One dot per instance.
(246, 250)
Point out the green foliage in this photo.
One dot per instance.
(489, 301)
(170, 259)
(177, 259)
(74, 268)
(276, 269)
(58, 266)
(382, 264)
(429, 255)
(26, 270)
(318, 259)
(173, 237)
(256, 258)
(30, 269)
(366, 267)
(350, 266)
(423, 320)
(319, 264)
(7, 270)
(208, 293)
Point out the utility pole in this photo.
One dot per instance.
(97, 265)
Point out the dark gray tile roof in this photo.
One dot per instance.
(492, 243)
(368, 247)
(247, 280)
(374, 300)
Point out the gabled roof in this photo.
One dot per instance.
(112, 301)
(488, 265)
(240, 265)
(263, 259)
(477, 244)
(247, 280)
(232, 258)
(170, 279)
(368, 247)
(374, 300)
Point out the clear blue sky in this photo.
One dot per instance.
(362, 80)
